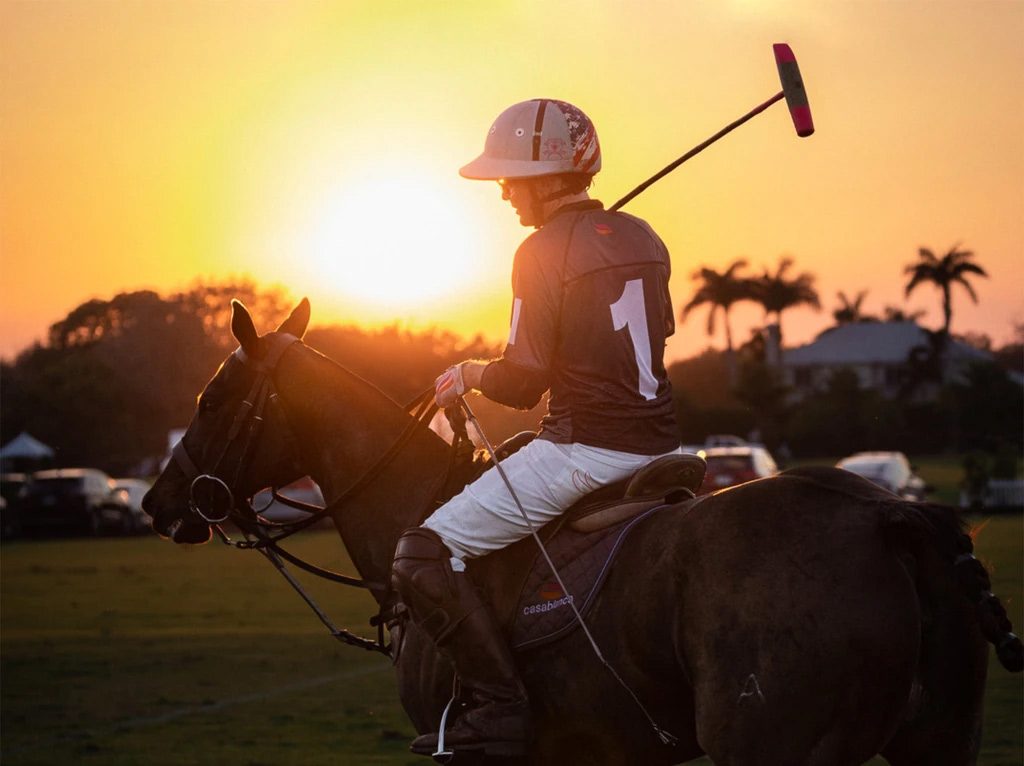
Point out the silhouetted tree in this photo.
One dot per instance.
(776, 293)
(845, 418)
(897, 314)
(118, 374)
(401, 363)
(211, 303)
(97, 319)
(989, 409)
(924, 365)
(944, 272)
(720, 292)
(850, 311)
(1011, 356)
(762, 390)
(978, 340)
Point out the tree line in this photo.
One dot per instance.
(777, 292)
(115, 376)
(983, 411)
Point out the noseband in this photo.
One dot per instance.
(208, 486)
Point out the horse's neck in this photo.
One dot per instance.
(344, 426)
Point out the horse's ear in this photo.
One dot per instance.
(243, 329)
(296, 322)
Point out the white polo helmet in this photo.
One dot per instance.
(541, 137)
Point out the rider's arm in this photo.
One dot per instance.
(512, 384)
(506, 382)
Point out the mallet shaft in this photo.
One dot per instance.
(792, 90)
(699, 148)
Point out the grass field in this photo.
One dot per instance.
(134, 651)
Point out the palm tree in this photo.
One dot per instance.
(720, 291)
(850, 311)
(924, 364)
(943, 273)
(897, 314)
(776, 293)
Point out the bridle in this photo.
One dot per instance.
(261, 392)
(264, 535)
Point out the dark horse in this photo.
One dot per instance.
(809, 618)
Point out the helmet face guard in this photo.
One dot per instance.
(541, 137)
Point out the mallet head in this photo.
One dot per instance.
(793, 88)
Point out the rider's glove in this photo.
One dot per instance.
(449, 387)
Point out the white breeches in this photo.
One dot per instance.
(547, 479)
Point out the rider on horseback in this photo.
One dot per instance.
(590, 316)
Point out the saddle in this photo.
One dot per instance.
(669, 479)
(528, 601)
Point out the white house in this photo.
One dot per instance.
(876, 351)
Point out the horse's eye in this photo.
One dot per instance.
(207, 405)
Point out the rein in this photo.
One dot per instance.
(258, 531)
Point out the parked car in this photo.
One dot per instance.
(729, 466)
(11, 486)
(136, 490)
(725, 440)
(890, 470)
(75, 500)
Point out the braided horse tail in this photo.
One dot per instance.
(943, 530)
(992, 619)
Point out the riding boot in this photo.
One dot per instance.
(445, 605)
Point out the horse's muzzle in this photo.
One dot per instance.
(173, 520)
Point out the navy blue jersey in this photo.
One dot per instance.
(591, 312)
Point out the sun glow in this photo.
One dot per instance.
(397, 240)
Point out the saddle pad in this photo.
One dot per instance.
(583, 560)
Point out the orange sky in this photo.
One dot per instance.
(316, 145)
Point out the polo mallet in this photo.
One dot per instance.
(796, 98)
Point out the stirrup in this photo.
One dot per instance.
(441, 753)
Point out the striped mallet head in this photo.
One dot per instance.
(793, 88)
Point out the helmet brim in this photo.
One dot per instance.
(485, 168)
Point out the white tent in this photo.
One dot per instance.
(24, 445)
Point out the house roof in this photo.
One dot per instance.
(870, 342)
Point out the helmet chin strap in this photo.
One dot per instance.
(565, 191)
(539, 204)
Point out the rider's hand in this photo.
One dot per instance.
(449, 387)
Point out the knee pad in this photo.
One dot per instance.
(421, 543)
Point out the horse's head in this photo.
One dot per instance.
(237, 442)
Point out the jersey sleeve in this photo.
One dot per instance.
(536, 303)
(514, 386)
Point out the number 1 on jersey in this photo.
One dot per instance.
(630, 311)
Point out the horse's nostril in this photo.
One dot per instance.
(187, 533)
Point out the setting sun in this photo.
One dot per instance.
(397, 240)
